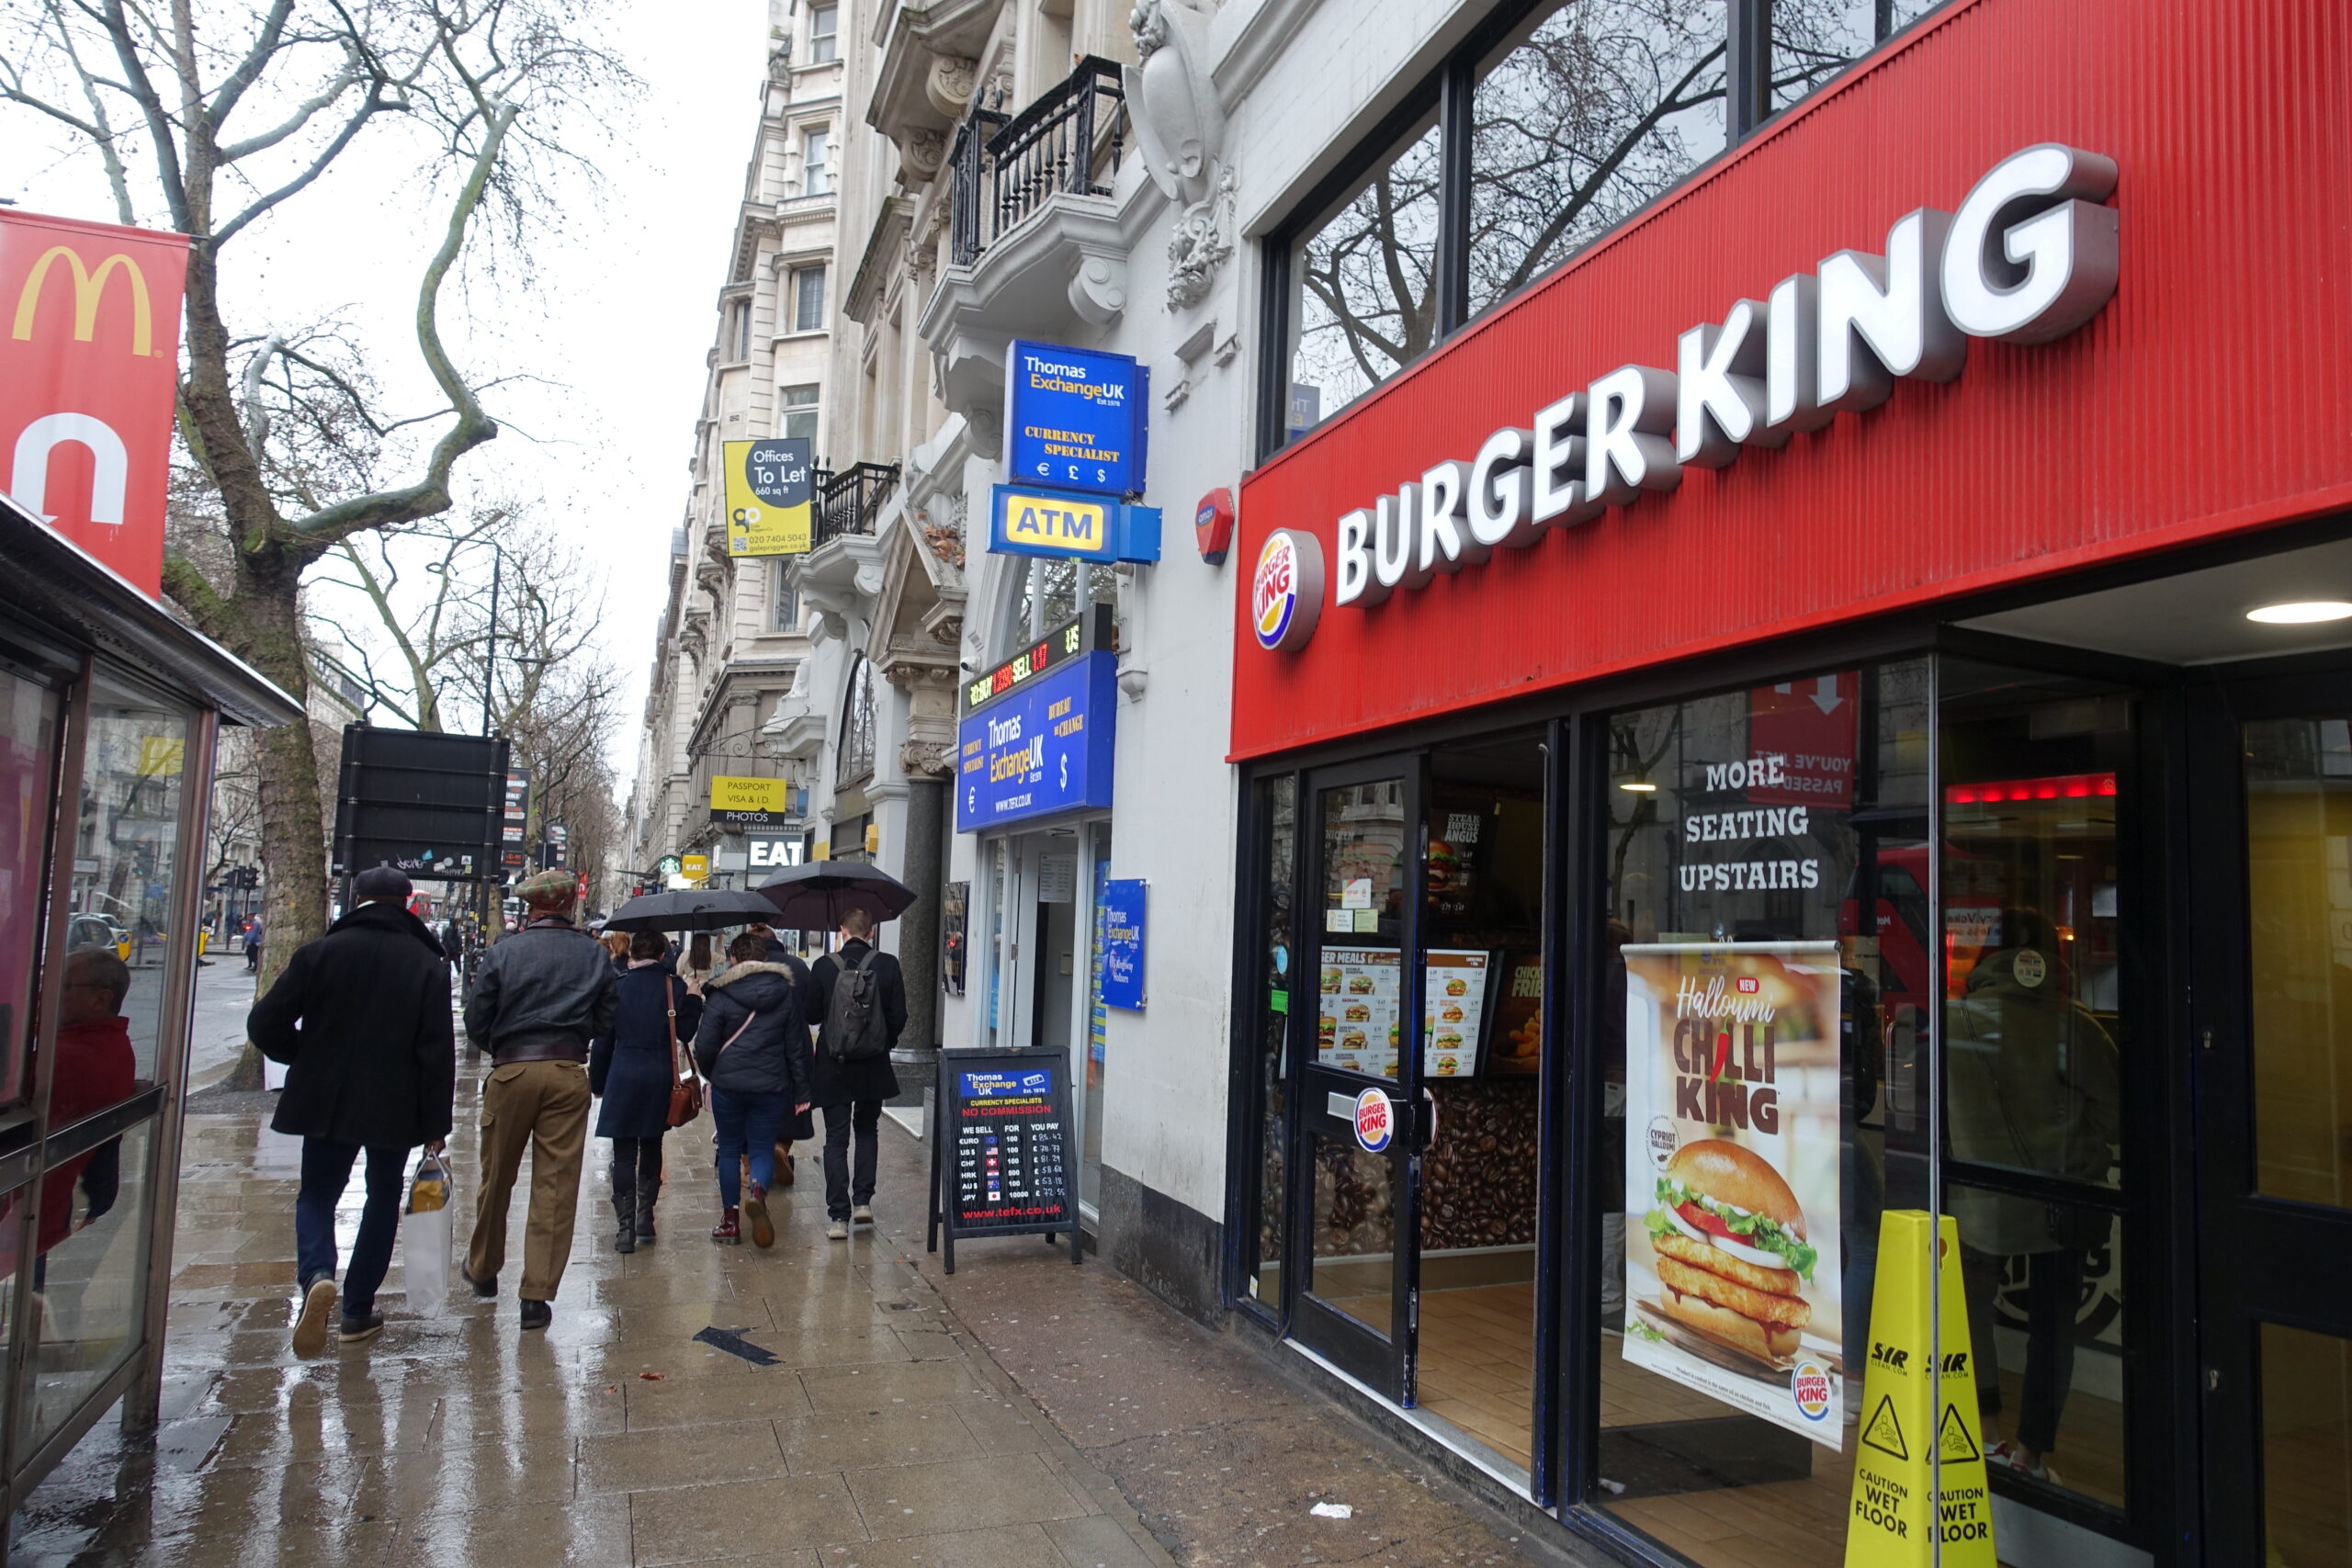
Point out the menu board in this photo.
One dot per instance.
(1357, 1026)
(1454, 1008)
(1001, 1147)
(1359, 1022)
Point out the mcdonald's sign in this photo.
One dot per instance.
(89, 365)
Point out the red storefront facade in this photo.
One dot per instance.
(2016, 690)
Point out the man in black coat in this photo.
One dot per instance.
(360, 1019)
(851, 1092)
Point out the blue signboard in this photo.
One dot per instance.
(1043, 747)
(1027, 520)
(1122, 935)
(996, 1086)
(1075, 419)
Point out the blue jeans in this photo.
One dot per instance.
(327, 1171)
(746, 1124)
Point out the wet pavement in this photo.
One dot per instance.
(1021, 1415)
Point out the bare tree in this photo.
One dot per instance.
(219, 116)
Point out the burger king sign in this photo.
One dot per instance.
(1286, 591)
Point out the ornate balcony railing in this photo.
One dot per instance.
(849, 502)
(1005, 168)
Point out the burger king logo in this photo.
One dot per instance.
(1286, 591)
(1375, 1121)
(1809, 1389)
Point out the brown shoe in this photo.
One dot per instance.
(755, 1209)
(784, 1165)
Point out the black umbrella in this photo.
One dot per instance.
(815, 897)
(691, 910)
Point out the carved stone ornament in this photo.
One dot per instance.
(927, 760)
(950, 82)
(1180, 124)
(922, 153)
(780, 62)
(1200, 244)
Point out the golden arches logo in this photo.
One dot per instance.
(89, 293)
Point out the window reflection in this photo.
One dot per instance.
(1366, 302)
(125, 842)
(1815, 39)
(1602, 105)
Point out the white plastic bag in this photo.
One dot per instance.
(426, 1235)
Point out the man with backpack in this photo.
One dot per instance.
(859, 1001)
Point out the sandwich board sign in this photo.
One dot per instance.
(1000, 1154)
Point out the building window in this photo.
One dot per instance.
(799, 411)
(1576, 114)
(809, 299)
(854, 761)
(1582, 120)
(816, 173)
(739, 329)
(783, 599)
(824, 32)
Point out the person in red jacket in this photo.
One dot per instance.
(94, 1069)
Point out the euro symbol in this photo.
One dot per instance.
(89, 293)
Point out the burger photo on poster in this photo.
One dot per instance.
(1731, 1253)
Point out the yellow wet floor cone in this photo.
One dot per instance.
(1914, 1424)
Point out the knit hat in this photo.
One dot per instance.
(553, 890)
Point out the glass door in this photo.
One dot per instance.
(2272, 798)
(1354, 1199)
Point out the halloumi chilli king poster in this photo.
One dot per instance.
(1732, 1176)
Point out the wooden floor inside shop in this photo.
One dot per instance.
(1477, 1372)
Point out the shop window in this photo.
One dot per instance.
(1595, 110)
(89, 1276)
(126, 854)
(799, 411)
(1365, 300)
(1279, 993)
(2034, 769)
(1771, 988)
(28, 718)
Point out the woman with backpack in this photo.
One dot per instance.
(753, 1047)
(632, 1068)
(859, 999)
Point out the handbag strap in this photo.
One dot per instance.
(732, 1038)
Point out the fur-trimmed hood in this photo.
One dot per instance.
(735, 972)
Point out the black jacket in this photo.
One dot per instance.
(839, 1083)
(360, 1018)
(771, 1056)
(630, 1067)
(542, 993)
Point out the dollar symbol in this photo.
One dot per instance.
(1064, 770)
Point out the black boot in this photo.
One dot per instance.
(625, 1207)
(645, 1196)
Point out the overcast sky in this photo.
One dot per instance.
(614, 324)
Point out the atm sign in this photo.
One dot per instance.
(1058, 523)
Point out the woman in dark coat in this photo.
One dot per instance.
(632, 1068)
(754, 1051)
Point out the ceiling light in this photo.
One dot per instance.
(1639, 786)
(2302, 612)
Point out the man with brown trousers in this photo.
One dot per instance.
(541, 995)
